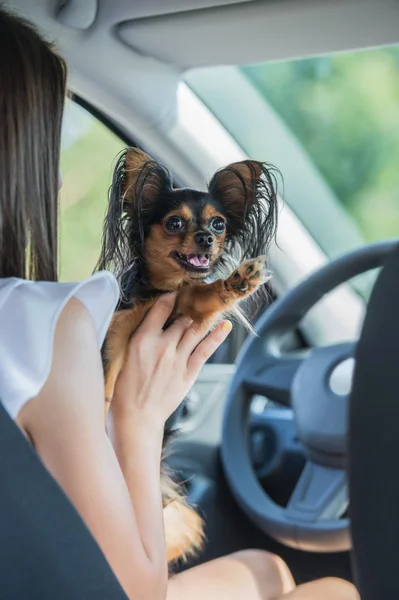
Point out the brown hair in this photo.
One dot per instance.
(32, 93)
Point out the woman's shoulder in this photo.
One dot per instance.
(29, 313)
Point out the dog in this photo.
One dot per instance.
(158, 239)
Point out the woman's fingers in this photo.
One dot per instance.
(177, 329)
(192, 337)
(207, 347)
(158, 314)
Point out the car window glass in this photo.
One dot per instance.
(88, 152)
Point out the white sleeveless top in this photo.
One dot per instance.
(29, 312)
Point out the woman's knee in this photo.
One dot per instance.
(344, 589)
(269, 569)
(329, 588)
(261, 559)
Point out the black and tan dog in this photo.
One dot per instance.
(161, 239)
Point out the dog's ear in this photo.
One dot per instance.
(138, 182)
(144, 182)
(248, 193)
(236, 186)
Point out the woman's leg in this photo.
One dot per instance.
(253, 575)
(246, 575)
(324, 589)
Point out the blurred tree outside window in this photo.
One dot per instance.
(344, 109)
(88, 153)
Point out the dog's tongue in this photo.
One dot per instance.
(198, 260)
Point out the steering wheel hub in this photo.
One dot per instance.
(321, 415)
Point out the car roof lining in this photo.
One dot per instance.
(277, 30)
(142, 9)
(129, 61)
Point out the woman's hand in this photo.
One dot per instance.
(162, 365)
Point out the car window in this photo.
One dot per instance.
(330, 124)
(88, 152)
(344, 109)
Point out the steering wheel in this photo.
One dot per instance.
(314, 517)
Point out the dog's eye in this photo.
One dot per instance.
(218, 225)
(174, 223)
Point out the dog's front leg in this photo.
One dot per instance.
(124, 323)
(203, 302)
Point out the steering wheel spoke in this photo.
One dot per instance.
(321, 493)
(275, 380)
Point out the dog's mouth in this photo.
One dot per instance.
(192, 262)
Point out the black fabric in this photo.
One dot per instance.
(46, 551)
(374, 442)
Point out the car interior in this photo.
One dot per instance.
(287, 441)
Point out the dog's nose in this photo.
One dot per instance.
(205, 240)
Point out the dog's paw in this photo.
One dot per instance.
(249, 276)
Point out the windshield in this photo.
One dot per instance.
(331, 125)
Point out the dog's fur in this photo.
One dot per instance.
(153, 235)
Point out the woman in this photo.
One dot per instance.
(114, 486)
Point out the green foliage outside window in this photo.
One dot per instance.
(344, 109)
(87, 159)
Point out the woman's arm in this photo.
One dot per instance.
(66, 424)
(138, 446)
